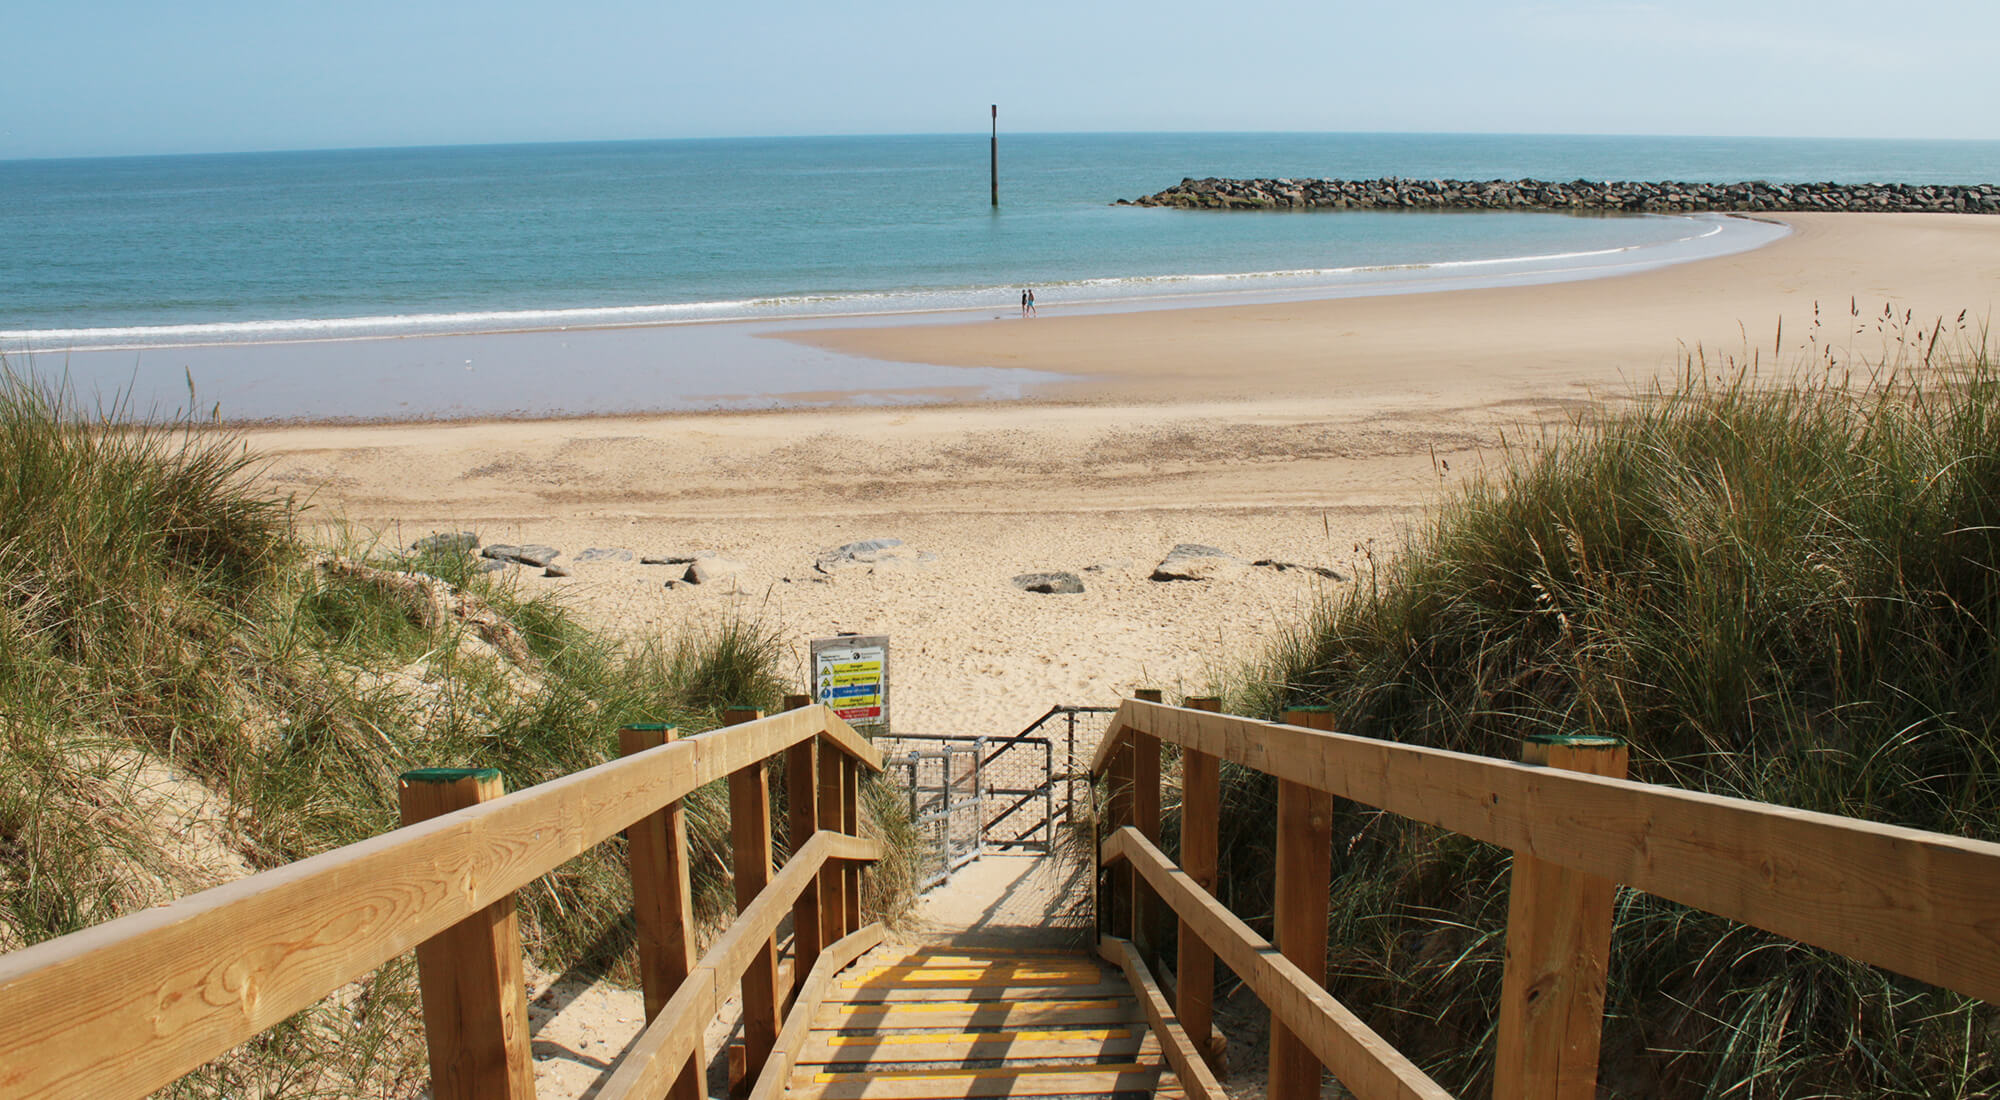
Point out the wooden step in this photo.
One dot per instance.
(933, 1085)
(1125, 1043)
(960, 1015)
(898, 993)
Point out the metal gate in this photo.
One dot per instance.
(971, 794)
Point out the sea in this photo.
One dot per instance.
(119, 269)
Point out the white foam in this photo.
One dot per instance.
(1553, 266)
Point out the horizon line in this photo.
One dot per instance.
(968, 134)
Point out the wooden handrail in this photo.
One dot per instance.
(1362, 1060)
(811, 993)
(1922, 904)
(660, 1050)
(1197, 1080)
(127, 1007)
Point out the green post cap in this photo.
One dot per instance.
(448, 775)
(647, 727)
(1312, 710)
(1576, 740)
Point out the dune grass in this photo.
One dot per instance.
(188, 695)
(1783, 589)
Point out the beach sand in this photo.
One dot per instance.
(1309, 432)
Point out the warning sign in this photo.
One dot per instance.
(851, 675)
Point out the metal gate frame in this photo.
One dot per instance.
(964, 808)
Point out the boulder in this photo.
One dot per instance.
(555, 571)
(458, 542)
(1050, 583)
(1288, 566)
(671, 559)
(711, 569)
(865, 552)
(872, 556)
(1191, 561)
(599, 553)
(535, 555)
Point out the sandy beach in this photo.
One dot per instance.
(1307, 433)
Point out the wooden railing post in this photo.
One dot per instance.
(832, 877)
(1145, 931)
(1115, 915)
(802, 814)
(850, 823)
(1201, 816)
(1558, 952)
(750, 840)
(475, 999)
(1299, 908)
(662, 901)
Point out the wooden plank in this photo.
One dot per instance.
(474, 992)
(770, 1084)
(828, 1049)
(992, 975)
(972, 981)
(662, 899)
(949, 956)
(750, 851)
(1146, 932)
(1194, 1074)
(734, 747)
(802, 814)
(833, 877)
(125, 1008)
(1201, 851)
(1360, 1059)
(1300, 900)
(1016, 1015)
(1558, 955)
(894, 993)
(1922, 904)
(1117, 917)
(850, 823)
(658, 1057)
(1027, 1081)
(666, 1042)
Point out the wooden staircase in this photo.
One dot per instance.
(951, 1022)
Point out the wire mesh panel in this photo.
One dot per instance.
(946, 803)
(968, 794)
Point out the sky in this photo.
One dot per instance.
(120, 77)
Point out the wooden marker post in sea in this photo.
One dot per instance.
(994, 160)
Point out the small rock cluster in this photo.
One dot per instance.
(1187, 561)
(1528, 194)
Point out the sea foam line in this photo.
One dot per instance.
(770, 307)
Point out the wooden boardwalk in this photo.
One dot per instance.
(957, 1022)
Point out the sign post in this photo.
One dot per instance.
(851, 675)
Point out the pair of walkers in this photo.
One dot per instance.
(1027, 303)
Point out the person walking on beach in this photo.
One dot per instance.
(1024, 303)
(1029, 295)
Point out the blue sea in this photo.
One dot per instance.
(216, 250)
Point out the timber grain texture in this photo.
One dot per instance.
(1922, 904)
(1361, 1060)
(127, 1007)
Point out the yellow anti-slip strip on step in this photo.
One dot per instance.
(989, 1075)
(967, 978)
(977, 1037)
(853, 1009)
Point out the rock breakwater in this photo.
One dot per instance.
(1579, 195)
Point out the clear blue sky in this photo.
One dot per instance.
(97, 77)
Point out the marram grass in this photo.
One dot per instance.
(168, 644)
(1785, 589)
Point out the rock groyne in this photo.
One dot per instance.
(1580, 195)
